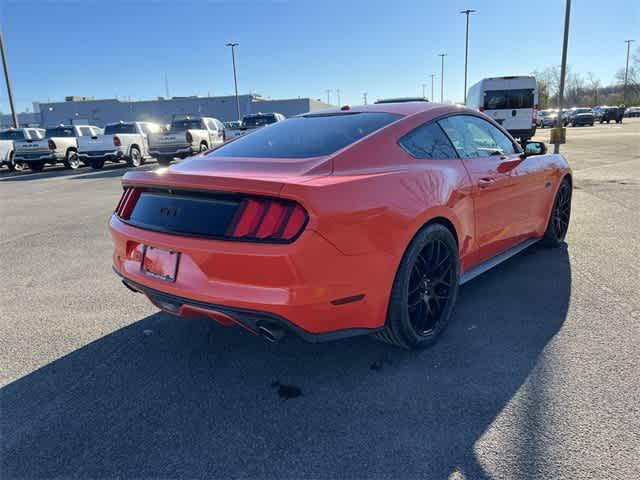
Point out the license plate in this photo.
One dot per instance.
(159, 263)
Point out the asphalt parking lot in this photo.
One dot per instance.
(538, 375)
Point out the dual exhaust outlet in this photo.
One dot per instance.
(271, 333)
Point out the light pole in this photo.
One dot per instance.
(626, 74)
(8, 82)
(433, 76)
(328, 96)
(563, 70)
(364, 97)
(338, 94)
(233, 46)
(442, 55)
(423, 85)
(466, 51)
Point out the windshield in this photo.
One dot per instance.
(258, 120)
(12, 135)
(584, 110)
(307, 136)
(178, 125)
(120, 128)
(60, 132)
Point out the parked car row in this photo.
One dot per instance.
(130, 142)
(577, 116)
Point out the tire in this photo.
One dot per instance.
(72, 160)
(559, 217)
(135, 157)
(36, 166)
(424, 290)
(96, 163)
(15, 166)
(164, 161)
(203, 147)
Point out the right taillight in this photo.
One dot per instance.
(116, 142)
(52, 144)
(188, 137)
(127, 201)
(268, 220)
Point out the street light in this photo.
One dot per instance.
(442, 55)
(14, 116)
(466, 51)
(423, 85)
(563, 71)
(626, 73)
(233, 46)
(433, 75)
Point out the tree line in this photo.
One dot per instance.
(588, 91)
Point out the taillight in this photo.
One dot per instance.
(267, 219)
(189, 137)
(481, 109)
(128, 200)
(116, 141)
(52, 144)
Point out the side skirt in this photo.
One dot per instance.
(497, 260)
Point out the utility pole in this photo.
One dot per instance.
(466, 51)
(338, 94)
(328, 96)
(364, 97)
(442, 55)
(563, 70)
(433, 76)
(233, 46)
(166, 86)
(423, 85)
(626, 73)
(14, 115)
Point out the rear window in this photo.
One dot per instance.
(60, 132)
(12, 135)
(508, 99)
(179, 125)
(307, 136)
(120, 128)
(259, 120)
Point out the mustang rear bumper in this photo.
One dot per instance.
(307, 287)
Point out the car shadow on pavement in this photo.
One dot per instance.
(185, 398)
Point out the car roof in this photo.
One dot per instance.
(400, 108)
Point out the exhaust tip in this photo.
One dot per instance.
(270, 333)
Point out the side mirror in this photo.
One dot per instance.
(535, 148)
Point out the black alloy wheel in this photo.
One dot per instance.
(560, 215)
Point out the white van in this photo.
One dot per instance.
(510, 101)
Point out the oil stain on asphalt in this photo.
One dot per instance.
(286, 391)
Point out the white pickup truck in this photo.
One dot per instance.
(7, 139)
(186, 136)
(127, 141)
(252, 122)
(60, 144)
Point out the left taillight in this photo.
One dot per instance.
(267, 220)
(127, 201)
(188, 137)
(52, 144)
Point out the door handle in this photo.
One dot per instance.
(485, 182)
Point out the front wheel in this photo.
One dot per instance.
(72, 160)
(424, 290)
(36, 166)
(558, 223)
(96, 163)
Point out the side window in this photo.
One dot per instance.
(219, 124)
(428, 141)
(210, 124)
(85, 131)
(474, 137)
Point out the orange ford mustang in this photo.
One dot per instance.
(341, 222)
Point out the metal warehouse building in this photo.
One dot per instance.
(101, 112)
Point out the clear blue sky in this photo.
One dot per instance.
(297, 48)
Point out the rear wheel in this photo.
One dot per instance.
(15, 166)
(166, 161)
(135, 158)
(203, 147)
(559, 218)
(424, 290)
(36, 166)
(96, 163)
(72, 160)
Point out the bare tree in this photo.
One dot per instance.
(594, 84)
